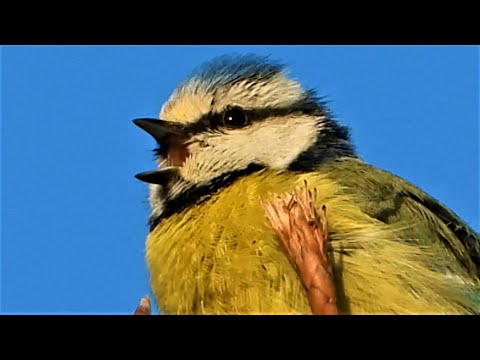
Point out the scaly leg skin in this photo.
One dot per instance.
(303, 233)
(144, 308)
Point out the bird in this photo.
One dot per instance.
(238, 129)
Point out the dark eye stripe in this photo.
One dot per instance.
(214, 120)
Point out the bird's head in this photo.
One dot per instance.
(233, 115)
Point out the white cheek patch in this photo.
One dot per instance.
(207, 163)
(274, 143)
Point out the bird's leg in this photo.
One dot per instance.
(144, 308)
(303, 232)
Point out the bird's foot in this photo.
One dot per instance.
(304, 234)
(144, 308)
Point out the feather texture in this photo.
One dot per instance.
(392, 253)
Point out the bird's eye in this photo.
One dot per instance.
(235, 117)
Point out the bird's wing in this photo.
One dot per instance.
(392, 200)
(469, 254)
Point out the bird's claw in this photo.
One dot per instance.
(303, 232)
(145, 307)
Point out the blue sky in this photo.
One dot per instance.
(73, 217)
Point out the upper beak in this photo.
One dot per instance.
(161, 130)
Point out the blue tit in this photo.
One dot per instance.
(239, 129)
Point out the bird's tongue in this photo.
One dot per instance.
(177, 153)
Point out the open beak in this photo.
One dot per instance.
(170, 136)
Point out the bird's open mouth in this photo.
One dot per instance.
(173, 149)
(176, 152)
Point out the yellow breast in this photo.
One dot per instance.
(221, 256)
